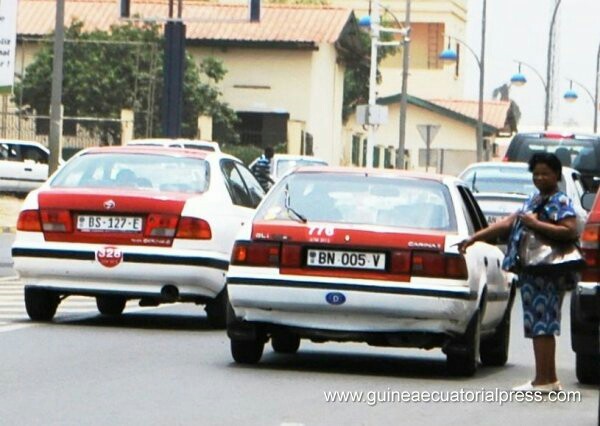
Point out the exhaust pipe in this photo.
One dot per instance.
(169, 293)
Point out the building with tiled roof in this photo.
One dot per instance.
(284, 75)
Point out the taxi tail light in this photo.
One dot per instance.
(255, 254)
(590, 245)
(291, 256)
(29, 221)
(400, 263)
(56, 220)
(430, 264)
(194, 228)
(161, 225)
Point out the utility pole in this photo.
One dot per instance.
(373, 80)
(173, 72)
(404, 94)
(54, 138)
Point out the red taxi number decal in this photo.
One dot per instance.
(109, 257)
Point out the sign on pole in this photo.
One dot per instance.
(8, 44)
(428, 132)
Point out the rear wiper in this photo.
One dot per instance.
(289, 208)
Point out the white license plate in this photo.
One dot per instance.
(346, 259)
(88, 223)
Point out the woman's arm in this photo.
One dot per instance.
(491, 233)
(563, 230)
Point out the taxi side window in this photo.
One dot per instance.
(473, 214)
(256, 191)
(235, 185)
(9, 152)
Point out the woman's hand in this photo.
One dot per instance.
(464, 244)
(530, 220)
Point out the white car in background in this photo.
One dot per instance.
(23, 165)
(343, 255)
(501, 188)
(283, 163)
(148, 223)
(178, 143)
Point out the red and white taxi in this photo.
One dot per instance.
(355, 255)
(149, 223)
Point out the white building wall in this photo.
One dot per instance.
(326, 98)
(263, 80)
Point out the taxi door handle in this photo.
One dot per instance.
(28, 169)
(485, 261)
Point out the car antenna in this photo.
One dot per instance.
(473, 187)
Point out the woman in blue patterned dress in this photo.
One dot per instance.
(548, 212)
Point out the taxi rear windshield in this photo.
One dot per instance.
(135, 171)
(360, 199)
(577, 153)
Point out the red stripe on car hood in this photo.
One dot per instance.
(125, 201)
(348, 235)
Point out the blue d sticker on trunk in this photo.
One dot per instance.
(335, 298)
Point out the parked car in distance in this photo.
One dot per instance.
(340, 254)
(502, 188)
(178, 143)
(283, 163)
(146, 223)
(585, 302)
(579, 151)
(23, 165)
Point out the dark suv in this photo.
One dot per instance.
(581, 152)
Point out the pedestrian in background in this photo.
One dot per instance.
(548, 212)
(262, 169)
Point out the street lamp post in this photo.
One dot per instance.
(519, 79)
(596, 106)
(404, 93)
(571, 96)
(373, 21)
(549, 67)
(451, 56)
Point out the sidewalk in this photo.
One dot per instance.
(9, 212)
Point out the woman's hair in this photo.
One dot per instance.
(549, 160)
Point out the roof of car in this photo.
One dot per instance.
(374, 172)
(149, 149)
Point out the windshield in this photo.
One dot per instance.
(141, 171)
(283, 166)
(360, 199)
(576, 153)
(502, 179)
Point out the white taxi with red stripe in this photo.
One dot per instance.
(355, 255)
(148, 223)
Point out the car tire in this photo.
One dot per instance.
(247, 351)
(587, 368)
(111, 305)
(216, 310)
(41, 304)
(285, 343)
(463, 361)
(493, 351)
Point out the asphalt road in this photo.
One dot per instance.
(165, 366)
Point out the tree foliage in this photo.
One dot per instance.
(106, 71)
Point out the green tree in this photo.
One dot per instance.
(106, 71)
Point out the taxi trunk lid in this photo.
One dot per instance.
(116, 216)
